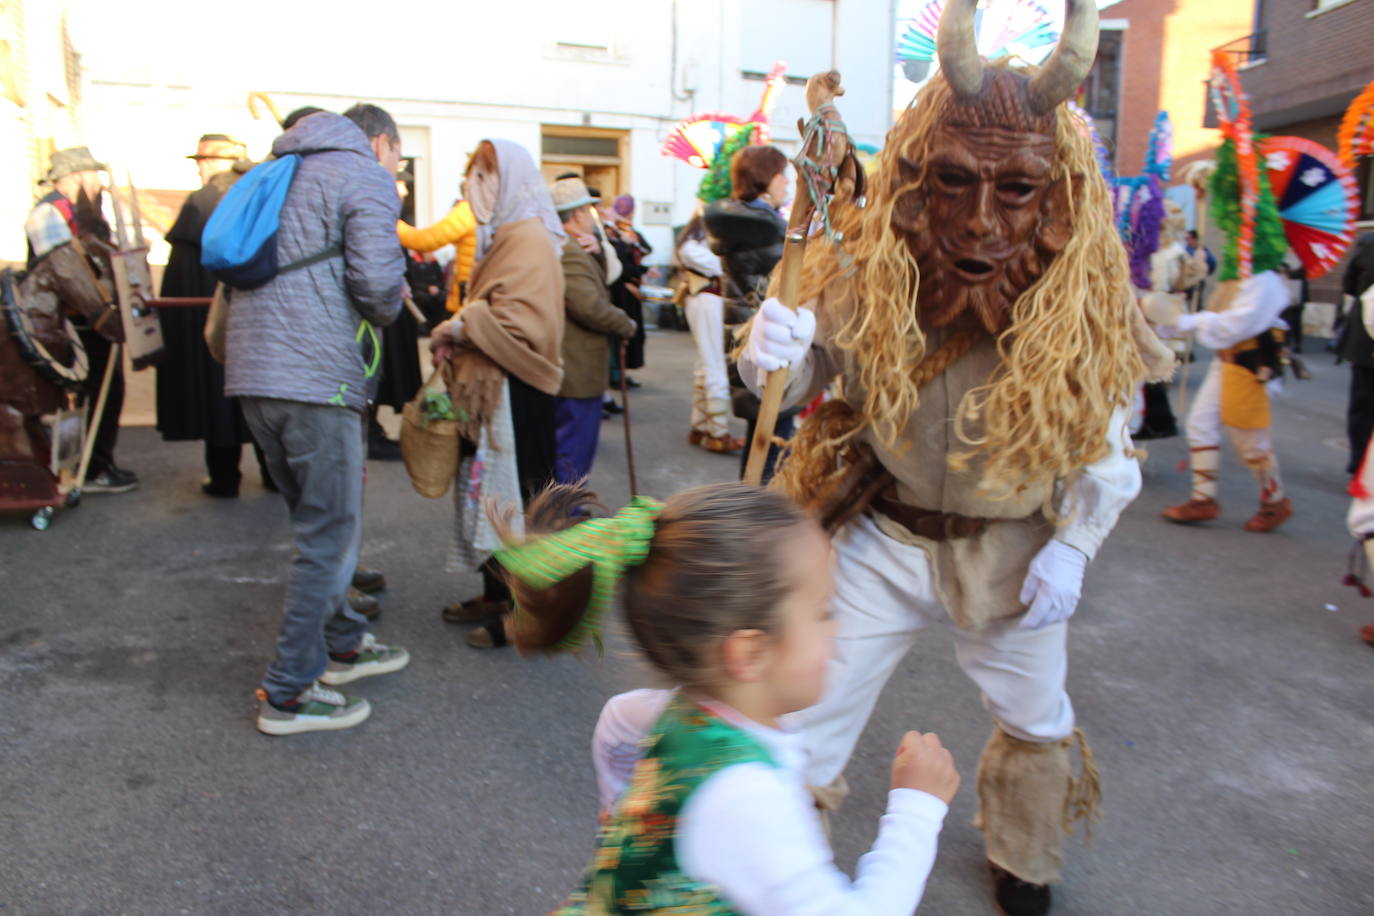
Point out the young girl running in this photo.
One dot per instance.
(726, 591)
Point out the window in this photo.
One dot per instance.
(797, 32)
(597, 154)
(1101, 92)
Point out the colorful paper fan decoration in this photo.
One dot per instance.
(917, 41)
(1233, 111)
(1317, 197)
(1357, 129)
(1026, 29)
(1088, 126)
(1159, 154)
(697, 140)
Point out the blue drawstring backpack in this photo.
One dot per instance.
(239, 244)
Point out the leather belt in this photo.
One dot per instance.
(933, 526)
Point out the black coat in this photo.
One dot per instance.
(190, 384)
(630, 252)
(399, 378)
(1356, 346)
(749, 240)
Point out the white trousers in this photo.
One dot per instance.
(711, 382)
(884, 595)
(1204, 418)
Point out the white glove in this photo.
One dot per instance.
(1053, 585)
(1186, 322)
(779, 337)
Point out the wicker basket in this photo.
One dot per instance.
(430, 450)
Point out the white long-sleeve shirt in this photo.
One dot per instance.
(695, 255)
(1255, 310)
(752, 831)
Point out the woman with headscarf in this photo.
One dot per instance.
(503, 350)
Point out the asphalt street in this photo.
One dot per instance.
(1217, 673)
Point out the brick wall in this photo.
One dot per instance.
(1167, 58)
(1322, 60)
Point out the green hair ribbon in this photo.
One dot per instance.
(608, 545)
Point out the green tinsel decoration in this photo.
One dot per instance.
(716, 185)
(1270, 244)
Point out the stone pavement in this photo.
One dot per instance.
(1228, 704)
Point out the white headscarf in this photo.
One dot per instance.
(522, 195)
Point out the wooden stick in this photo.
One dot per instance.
(625, 402)
(415, 312)
(820, 90)
(116, 354)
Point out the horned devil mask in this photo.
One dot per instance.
(978, 205)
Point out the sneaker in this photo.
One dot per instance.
(315, 710)
(369, 659)
(111, 480)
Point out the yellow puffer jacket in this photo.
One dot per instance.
(458, 229)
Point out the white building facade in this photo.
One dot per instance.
(594, 86)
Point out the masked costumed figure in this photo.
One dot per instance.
(979, 315)
(1242, 324)
(69, 220)
(1172, 272)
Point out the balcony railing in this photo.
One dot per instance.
(1248, 50)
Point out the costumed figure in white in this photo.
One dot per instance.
(1173, 271)
(979, 317)
(1242, 324)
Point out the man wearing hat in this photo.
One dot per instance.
(191, 405)
(586, 350)
(70, 214)
(215, 154)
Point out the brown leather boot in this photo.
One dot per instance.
(1194, 510)
(722, 445)
(1367, 634)
(1270, 516)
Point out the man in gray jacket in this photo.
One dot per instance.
(300, 352)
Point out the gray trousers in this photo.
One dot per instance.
(315, 455)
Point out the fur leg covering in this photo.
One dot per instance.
(1029, 800)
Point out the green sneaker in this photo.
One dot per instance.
(370, 658)
(316, 710)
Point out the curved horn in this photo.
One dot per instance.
(1073, 57)
(958, 49)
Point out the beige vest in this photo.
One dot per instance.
(978, 578)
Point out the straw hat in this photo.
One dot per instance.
(569, 194)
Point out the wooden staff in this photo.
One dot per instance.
(625, 402)
(828, 149)
(415, 312)
(116, 354)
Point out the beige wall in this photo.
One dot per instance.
(1167, 58)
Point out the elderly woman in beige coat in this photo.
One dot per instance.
(504, 350)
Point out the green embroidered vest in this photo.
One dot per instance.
(636, 868)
